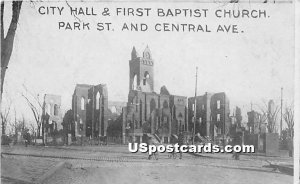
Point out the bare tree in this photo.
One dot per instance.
(36, 107)
(5, 117)
(269, 115)
(18, 125)
(289, 119)
(14, 124)
(7, 41)
(32, 128)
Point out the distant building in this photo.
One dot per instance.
(272, 117)
(146, 111)
(115, 108)
(52, 113)
(203, 119)
(212, 114)
(236, 122)
(90, 110)
(271, 106)
(79, 108)
(254, 122)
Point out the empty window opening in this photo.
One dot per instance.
(134, 83)
(82, 103)
(146, 76)
(97, 100)
(218, 117)
(218, 104)
(55, 110)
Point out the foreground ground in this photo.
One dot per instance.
(114, 164)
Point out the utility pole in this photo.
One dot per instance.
(195, 109)
(224, 124)
(93, 113)
(44, 117)
(281, 111)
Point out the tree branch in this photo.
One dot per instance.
(289, 119)
(35, 97)
(73, 13)
(34, 110)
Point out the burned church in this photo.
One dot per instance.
(90, 110)
(162, 114)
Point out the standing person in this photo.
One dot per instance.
(26, 137)
(174, 140)
(180, 143)
(149, 142)
(146, 139)
(237, 141)
(152, 142)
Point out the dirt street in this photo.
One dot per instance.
(177, 173)
(114, 164)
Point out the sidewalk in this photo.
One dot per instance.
(25, 169)
(282, 164)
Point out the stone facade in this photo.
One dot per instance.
(90, 110)
(52, 113)
(148, 112)
(212, 114)
(203, 119)
(255, 123)
(97, 114)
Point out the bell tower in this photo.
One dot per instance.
(141, 71)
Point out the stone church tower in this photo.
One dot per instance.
(148, 112)
(141, 71)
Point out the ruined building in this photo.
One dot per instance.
(212, 114)
(52, 113)
(254, 122)
(147, 111)
(90, 110)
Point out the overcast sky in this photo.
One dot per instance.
(251, 66)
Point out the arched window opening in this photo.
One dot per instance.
(130, 126)
(55, 109)
(136, 103)
(174, 112)
(152, 105)
(80, 125)
(134, 122)
(146, 76)
(54, 125)
(218, 104)
(141, 113)
(134, 83)
(165, 104)
(180, 126)
(48, 109)
(97, 100)
(82, 103)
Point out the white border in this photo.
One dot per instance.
(297, 94)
